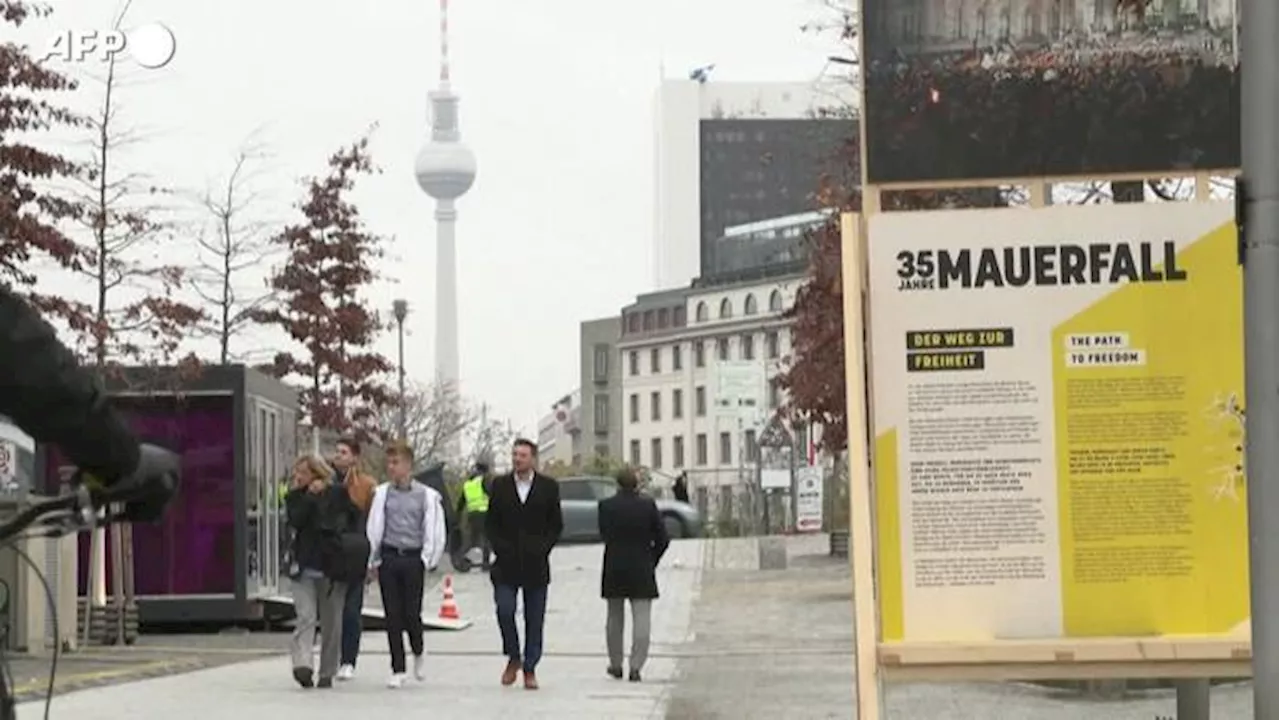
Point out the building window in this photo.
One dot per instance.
(699, 353)
(633, 362)
(602, 451)
(677, 359)
(655, 453)
(775, 301)
(635, 453)
(648, 320)
(635, 407)
(677, 316)
(726, 309)
(775, 395)
(749, 439)
(600, 364)
(633, 323)
(701, 314)
(749, 306)
(600, 411)
(772, 346)
(748, 347)
(664, 318)
(700, 401)
(677, 404)
(655, 405)
(722, 349)
(677, 451)
(726, 448)
(655, 361)
(700, 449)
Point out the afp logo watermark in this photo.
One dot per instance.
(151, 45)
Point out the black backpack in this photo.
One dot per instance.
(347, 549)
(351, 559)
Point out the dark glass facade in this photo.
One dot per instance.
(192, 551)
(760, 169)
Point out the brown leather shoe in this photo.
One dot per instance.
(530, 681)
(509, 674)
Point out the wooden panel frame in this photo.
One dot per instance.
(877, 662)
(1038, 188)
(1079, 658)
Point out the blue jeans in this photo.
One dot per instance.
(352, 622)
(535, 613)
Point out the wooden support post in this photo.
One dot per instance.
(861, 535)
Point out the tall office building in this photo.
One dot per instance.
(729, 155)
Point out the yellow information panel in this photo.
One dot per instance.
(1059, 423)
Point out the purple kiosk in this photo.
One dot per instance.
(216, 556)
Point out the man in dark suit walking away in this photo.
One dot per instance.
(523, 524)
(635, 539)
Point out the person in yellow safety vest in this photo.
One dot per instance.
(474, 500)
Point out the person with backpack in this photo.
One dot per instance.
(406, 533)
(359, 486)
(321, 517)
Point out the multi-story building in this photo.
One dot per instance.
(601, 388)
(697, 371)
(559, 431)
(731, 154)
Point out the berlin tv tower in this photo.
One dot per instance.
(446, 169)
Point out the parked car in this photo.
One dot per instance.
(579, 498)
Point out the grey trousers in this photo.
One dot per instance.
(616, 625)
(318, 602)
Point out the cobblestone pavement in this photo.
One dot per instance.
(463, 667)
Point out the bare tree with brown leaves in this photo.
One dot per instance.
(234, 247)
(330, 262)
(30, 214)
(433, 416)
(489, 437)
(136, 317)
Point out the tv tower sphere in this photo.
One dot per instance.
(445, 170)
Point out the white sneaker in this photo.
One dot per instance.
(346, 672)
(420, 667)
(396, 681)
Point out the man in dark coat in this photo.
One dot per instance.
(635, 539)
(680, 489)
(523, 524)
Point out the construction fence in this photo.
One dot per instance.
(732, 503)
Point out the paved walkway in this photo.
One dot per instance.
(463, 666)
(757, 644)
(771, 644)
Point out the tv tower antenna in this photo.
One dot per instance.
(444, 43)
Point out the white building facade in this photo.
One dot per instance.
(697, 368)
(559, 431)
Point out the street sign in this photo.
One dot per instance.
(809, 499)
(739, 387)
(775, 478)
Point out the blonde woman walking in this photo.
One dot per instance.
(319, 512)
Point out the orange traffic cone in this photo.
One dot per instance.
(448, 606)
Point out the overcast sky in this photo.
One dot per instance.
(557, 102)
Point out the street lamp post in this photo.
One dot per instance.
(401, 310)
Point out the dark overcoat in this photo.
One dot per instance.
(634, 541)
(523, 533)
